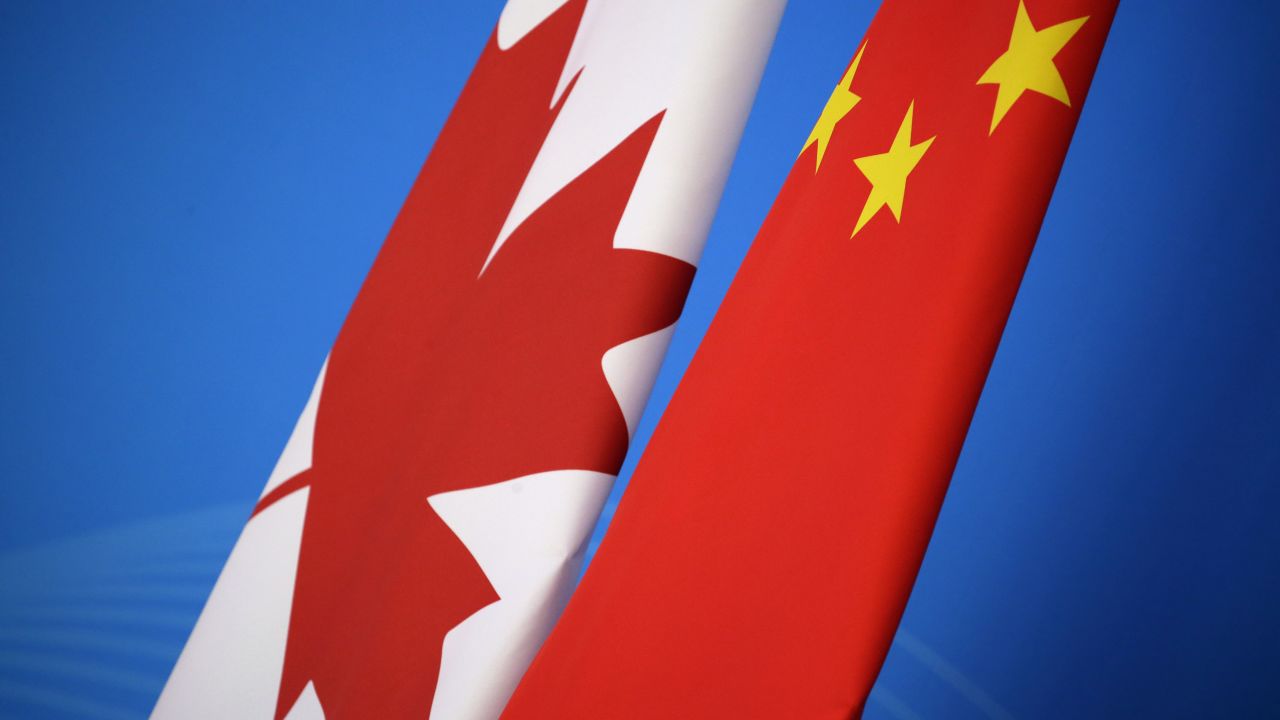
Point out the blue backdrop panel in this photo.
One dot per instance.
(193, 193)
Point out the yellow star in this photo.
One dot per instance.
(888, 172)
(1028, 63)
(841, 102)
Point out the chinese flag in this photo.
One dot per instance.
(764, 552)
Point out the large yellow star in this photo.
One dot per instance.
(1028, 63)
(838, 105)
(888, 172)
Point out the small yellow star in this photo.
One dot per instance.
(1028, 63)
(840, 103)
(888, 172)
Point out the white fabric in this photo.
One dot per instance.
(232, 664)
(699, 61)
(630, 368)
(528, 536)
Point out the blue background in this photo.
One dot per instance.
(192, 193)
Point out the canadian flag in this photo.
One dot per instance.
(423, 527)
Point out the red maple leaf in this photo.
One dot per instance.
(444, 378)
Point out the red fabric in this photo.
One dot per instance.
(444, 378)
(763, 554)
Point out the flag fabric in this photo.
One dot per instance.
(423, 525)
(763, 553)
